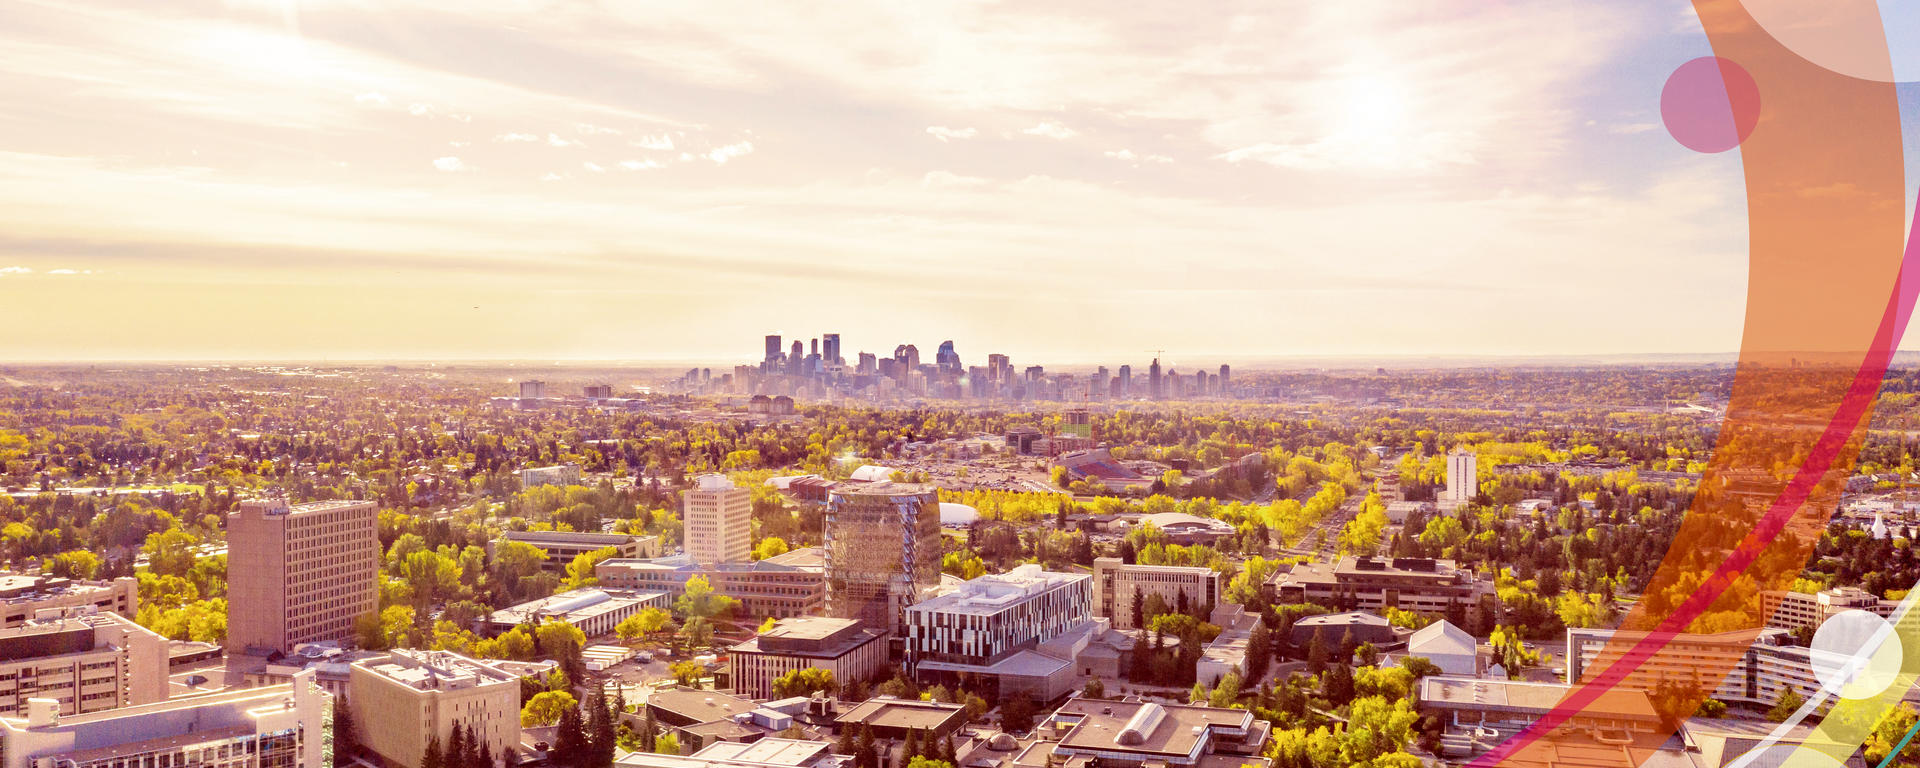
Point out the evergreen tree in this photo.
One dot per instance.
(947, 753)
(650, 730)
(570, 748)
(864, 755)
(1317, 653)
(433, 757)
(1259, 651)
(911, 747)
(485, 760)
(346, 741)
(845, 746)
(475, 744)
(1139, 609)
(601, 736)
(456, 755)
(1337, 684)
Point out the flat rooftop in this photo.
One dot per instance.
(573, 537)
(1097, 725)
(792, 752)
(1523, 698)
(994, 593)
(700, 706)
(883, 488)
(889, 712)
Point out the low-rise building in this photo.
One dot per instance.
(699, 719)
(1741, 666)
(1449, 647)
(332, 666)
(1134, 734)
(1118, 584)
(1227, 653)
(23, 596)
(595, 611)
(560, 474)
(403, 700)
(893, 718)
(1793, 610)
(1480, 714)
(1357, 626)
(845, 647)
(84, 661)
(1376, 584)
(793, 584)
(765, 753)
(283, 726)
(563, 546)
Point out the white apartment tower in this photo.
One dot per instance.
(718, 519)
(1462, 480)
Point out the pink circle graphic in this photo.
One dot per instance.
(1710, 104)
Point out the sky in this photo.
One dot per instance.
(1060, 181)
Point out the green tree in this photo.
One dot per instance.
(804, 682)
(545, 708)
(580, 572)
(1789, 703)
(699, 600)
(771, 546)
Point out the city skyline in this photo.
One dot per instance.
(306, 180)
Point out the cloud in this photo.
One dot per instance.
(449, 164)
(721, 155)
(1127, 155)
(459, 144)
(516, 137)
(419, 109)
(662, 142)
(594, 167)
(639, 165)
(591, 129)
(944, 133)
(948, 179)
(1051, 130)
(459, 118)
(552, 176)
(1632, 128)
(556, 140)
(371, 98)
(16, 270)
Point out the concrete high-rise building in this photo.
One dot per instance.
(299, 574)
(87, 661)
(718, 520)
(1226, 378)
(947, 358)
(773, 350)
(402, 700)
(1126, 381)
(797, 359)
(280, 726)
(883, 550)
(533, 390)
(907, 355)
(1462, 478)
(1154, 384)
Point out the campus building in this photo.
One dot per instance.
(282, 726)
(1793, 610)
(841, 646)
(1759, 665)
(1462, 478)
(406, 698)
(23, 596)
(793, 584)
(1135, 734)
(1117, 584)
(595, 611)
(718, 521)
(1618, 724)
(87, 662)
(563, 546)
(883, 550)
(299, 574)
(765, 753)
(1377, 583)
(1021, 631)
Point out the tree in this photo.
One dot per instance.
(771, 546)
(346, 741)
(558, 639)
(570, 744)
(434, 756)
(1139, 609)
(75, 564)
(1095, 689)
(667, 744)
(545, 708)
(601, 737)
(698, 632)
(1893, 727)
(804, 682)
(699, 599)
(1419, 666)
(1337, 684)
(1789, 703)
(580, 572)
(1259, 651)
(924, 762)
(1016, 716)
(687, 673)
(1317, 652)
(646, 622)
(456, 752)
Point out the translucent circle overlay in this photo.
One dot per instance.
(1710, 104)
(1855, 654)
(1839, 36)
